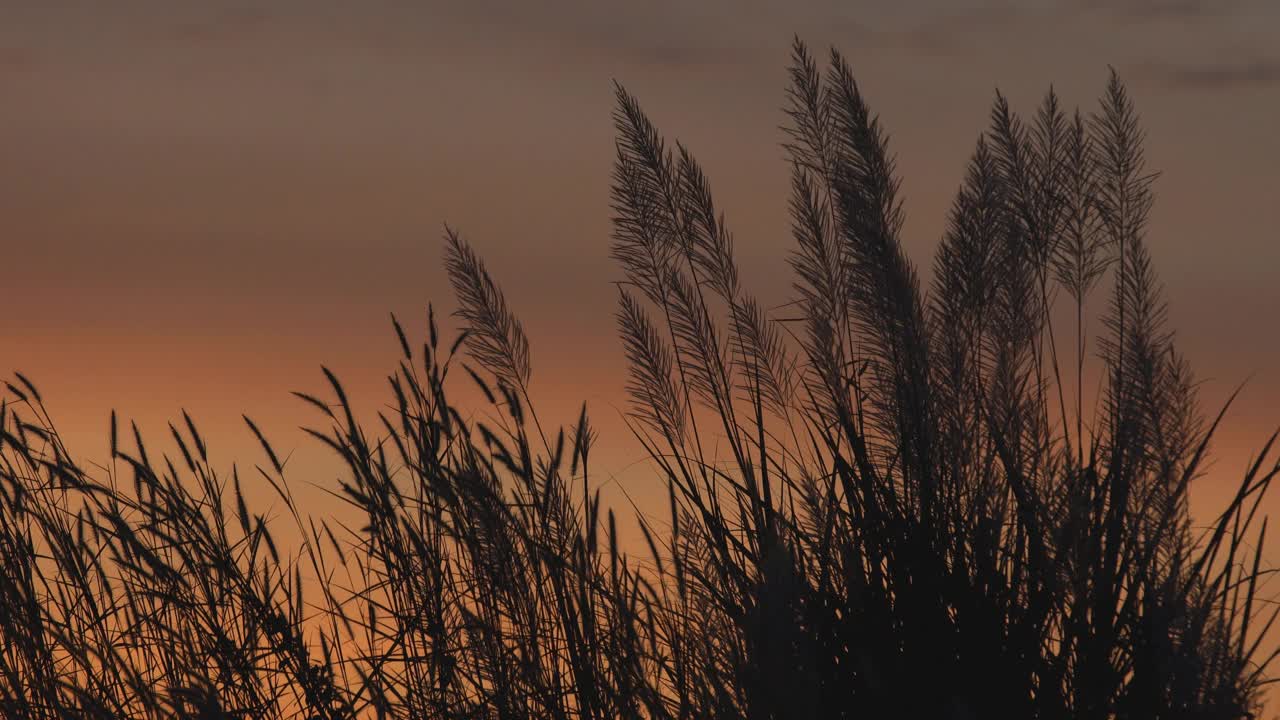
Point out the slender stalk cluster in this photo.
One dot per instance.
(887, 503)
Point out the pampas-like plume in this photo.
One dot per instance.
(495, 337)
(1082, 255)
(967, 275)
(883, 290)
(656, 398)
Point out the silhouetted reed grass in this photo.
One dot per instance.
(909, 517)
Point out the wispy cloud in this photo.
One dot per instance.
(223, 26)
(1159, 10)
(953, 31)
(1250, 73)
(944, 32)
(694, 45)
(667, 35)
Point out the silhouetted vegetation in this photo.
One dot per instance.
(883, 501)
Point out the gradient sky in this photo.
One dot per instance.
(204, 201)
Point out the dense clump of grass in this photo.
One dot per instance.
(910, 515)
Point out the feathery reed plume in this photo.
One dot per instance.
(495, 337)
(657, 401)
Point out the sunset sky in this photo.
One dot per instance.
(204, 201)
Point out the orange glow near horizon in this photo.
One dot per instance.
(204, 204)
